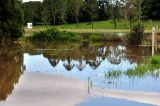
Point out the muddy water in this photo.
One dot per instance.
(66, 75)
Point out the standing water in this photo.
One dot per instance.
(76, 75)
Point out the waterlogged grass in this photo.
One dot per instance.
(149, 68)
(54, 35)
(113, 74)
(95, 37)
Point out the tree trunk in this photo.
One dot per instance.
(130, 22)
(92, 24)
(77, 22)
(54, 19)
(115, 18)
(62, 24)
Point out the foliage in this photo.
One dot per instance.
(46, 12)
(75, 11)
(33, 12)
(96, 37)
(151, 9)
(11, 18)
(136, 35)
(53, 34)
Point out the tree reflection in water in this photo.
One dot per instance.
(109, 64)
(93, 58)
(10, 68)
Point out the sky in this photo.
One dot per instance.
(31, 0)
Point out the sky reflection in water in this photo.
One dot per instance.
(107, 59)
(104, 101)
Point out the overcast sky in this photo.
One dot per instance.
(31, 0)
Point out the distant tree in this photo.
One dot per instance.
(138, 8)
(128, 10)
(104, 9)
(76, 5)
(33, 12)
(55, 5)
(11, 18)
(91, 8)
(62, 11)
(70, 13)
(151, 9)
(115, 5)
(46, 12)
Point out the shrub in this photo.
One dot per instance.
(96, 38)
(136, 35)
(55, 35)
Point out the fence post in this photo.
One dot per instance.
(153, 39)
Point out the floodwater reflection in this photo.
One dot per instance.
(46, 70)
(103, 101)
(106, 66)
(10, 68)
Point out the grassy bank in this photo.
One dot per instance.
(99, 27)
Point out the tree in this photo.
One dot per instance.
(151, 9)
(62, 11)
(128, 10)
(46, 11)
(138, 9)
(104, 9)
(91, 8)
(33, 12)
(115, 4)
(11, 18)
(76, 7)
(54, 9)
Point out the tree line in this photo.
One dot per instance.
(75, 11)
(14, 14)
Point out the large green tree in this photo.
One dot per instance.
(11, 18)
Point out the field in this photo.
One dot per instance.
(99, 27)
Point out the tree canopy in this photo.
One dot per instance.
(11, 18)
(75, 11)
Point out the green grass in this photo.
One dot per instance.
(99, 27)
(108, 25)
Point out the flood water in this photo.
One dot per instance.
(42, 74)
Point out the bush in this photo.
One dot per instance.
(136, 35)
(96, 38)
(55, 35)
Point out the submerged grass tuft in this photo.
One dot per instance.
(113, 74)
(150, 67)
